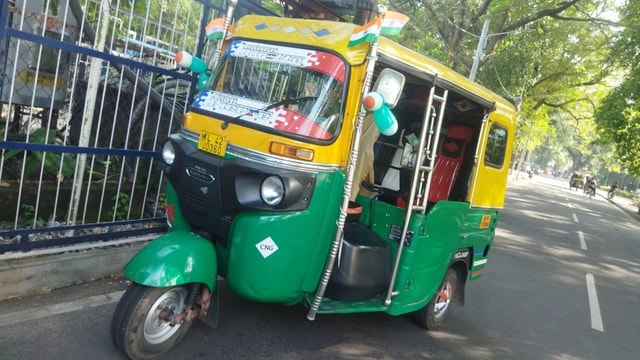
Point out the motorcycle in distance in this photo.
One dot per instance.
(277, 152)
(612, 191)
(590, 188)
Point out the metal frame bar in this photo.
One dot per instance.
(25, 234)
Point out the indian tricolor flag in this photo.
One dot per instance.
(393, 23)
(214, 29)
(365, 33)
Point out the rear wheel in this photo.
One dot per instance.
(432, 315)
(138, 327)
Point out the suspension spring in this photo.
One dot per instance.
(193, 295)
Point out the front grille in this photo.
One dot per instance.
(196, 201)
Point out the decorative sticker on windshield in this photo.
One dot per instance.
(252, 111)
(317, 60)
(234, 106)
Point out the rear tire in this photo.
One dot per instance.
(136, 328)
(432, 315)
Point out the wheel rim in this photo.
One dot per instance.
(157, 330)
(442, 301)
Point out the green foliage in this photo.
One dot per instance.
(618, 116)
(272, 5)
(120, 207)
(52, 163)
(618, 121)
(27, 217)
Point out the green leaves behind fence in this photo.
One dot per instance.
(55, 164)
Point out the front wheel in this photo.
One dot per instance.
(432, 315)
(138, 325)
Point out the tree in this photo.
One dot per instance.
(618, 116)
(548, 56)
(456, 25)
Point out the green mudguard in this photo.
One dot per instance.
(175, 258)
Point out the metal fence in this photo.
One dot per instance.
(88, 92)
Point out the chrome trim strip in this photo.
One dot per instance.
(189, 134)
(280, 161)
(272, 160)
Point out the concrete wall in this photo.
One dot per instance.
(41, 274)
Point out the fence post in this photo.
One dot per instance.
(89, 108)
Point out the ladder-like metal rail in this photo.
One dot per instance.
(422, 174)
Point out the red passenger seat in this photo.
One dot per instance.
(448, 162)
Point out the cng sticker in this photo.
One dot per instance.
(486, 220)
(267, 247)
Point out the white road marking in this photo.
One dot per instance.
(583, 244)
(575, 218)
(55, 309)
(594, 306)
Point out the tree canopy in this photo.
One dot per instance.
(618, 115)
(552, 58)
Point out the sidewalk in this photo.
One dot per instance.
(624, 204)
(38, 272)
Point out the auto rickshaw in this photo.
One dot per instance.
(576, 180)
(315, 169)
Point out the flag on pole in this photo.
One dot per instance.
(214, 29)
(366, 33)
(392, 23)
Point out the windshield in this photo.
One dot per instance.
(294, 91)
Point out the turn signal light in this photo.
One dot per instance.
(291, 151)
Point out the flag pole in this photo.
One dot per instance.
(353, 158)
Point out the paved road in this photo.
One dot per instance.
(563, 282)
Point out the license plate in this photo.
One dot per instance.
(212, 143)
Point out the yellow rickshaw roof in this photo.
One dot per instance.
(331, 35)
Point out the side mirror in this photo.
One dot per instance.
(389, 84)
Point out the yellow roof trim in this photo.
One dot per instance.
(330, 35)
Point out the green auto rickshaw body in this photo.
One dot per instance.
(278, 257)
(219, 225)
(175, 258)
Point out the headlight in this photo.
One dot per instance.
(168, 153)
(272, 190)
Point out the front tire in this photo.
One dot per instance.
(432, 315)
(136, 327)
